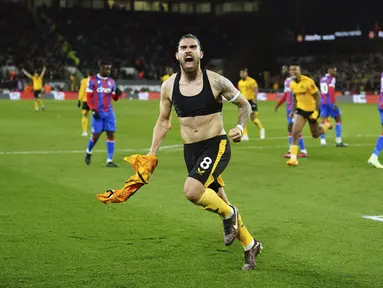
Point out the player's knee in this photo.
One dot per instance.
(110, 136)
(193, 190)
(95, 137)
(316, 133)
(296, 134)
(290, 128)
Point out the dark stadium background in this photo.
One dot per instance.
(142, 35)
(311, 219)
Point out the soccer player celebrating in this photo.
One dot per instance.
(288, 97)
(328, 107)
(306, 102)
(197, 98)
(373, 160)
(249, 88)
(101, 89)
(37, 82)
(82, 103)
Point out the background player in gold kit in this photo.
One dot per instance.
(37, 82)
(83, 104)
(306, 103)
(249, 88)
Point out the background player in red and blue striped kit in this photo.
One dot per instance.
(374, 161)
(288, 97)
(100, 92)
(328, 107)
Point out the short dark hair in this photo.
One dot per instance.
(295, 64)
(244, 69)
(90, 72)
(190, 36)
(104, 61)
(330, 67)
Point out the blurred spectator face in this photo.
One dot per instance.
(189, 54)
(243, 74)
(105, 70)
(285, 71)
(295, 71)
(332, 71)
(169, 70)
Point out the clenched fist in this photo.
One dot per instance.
(235, 134)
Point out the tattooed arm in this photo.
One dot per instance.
(231, 94)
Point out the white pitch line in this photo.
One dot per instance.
(170, 148)
(310, 146)
(376, 218)
(81, 151)
(327, 136)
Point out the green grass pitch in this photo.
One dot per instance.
(55, 233)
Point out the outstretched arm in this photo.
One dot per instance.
(162, 125)
(26, 73)
(281, 101)
(43, 72)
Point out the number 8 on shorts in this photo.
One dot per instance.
(205, 164)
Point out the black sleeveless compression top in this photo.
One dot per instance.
(203, 103)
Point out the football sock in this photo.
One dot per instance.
(110, 147)
(245, 130)
(91, 144)
(289, 139)
(36, 104)
(41, 101)
(302, 144)
(322, 136)
(84, 123)
(210, 201)
(247, 241)
(293, 151)
(338, 132)
(379, 146)
(258, 123)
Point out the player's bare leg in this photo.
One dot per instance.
(251, 246)
(198, 194)
(290, 131)
(256, 121)
(110, 148)
(92, 141)
(84, 122)
(299, 123)
(338, 132)
(318, 129)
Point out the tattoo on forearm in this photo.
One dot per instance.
(244, 115)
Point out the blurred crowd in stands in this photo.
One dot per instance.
(356, 73)
(76, 37)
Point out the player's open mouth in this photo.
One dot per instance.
(189, 59)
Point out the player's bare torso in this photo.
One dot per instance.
(198, 128)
